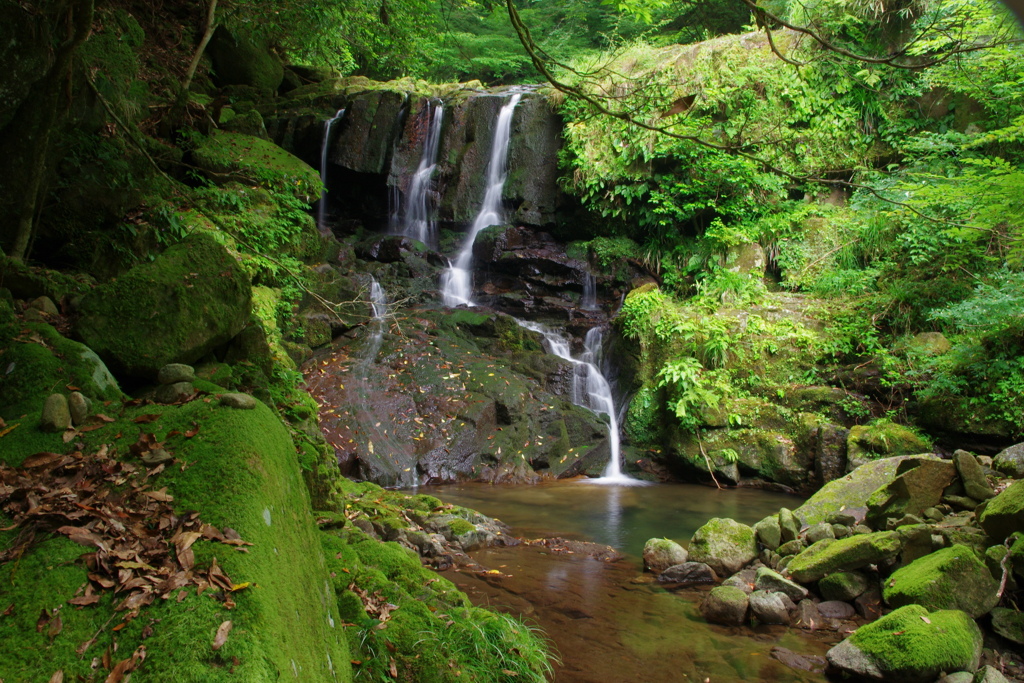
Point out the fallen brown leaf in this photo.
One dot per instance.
(147, 418)
(222, 634)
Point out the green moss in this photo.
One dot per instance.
(950, 578)
(828, 556)
(460, 526)
(241, 473)
(191, 299)
(883, 439)
(246, 158)
(644, 419)
(910, 642)
(1004, 514)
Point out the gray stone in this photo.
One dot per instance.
(80, 407)
(808, 617)
(44, 304)
(688, 574)
(830, 463)
(726, 605)
(836, 609)
(174, 393)
(917, 487)
(238, 400)
(172, 373)
(789, 525)
(1009, 624)
(661, 553)
(767, 580)
(791, 547)
(932, 515)
(744, 580)
(769, 533)
(844, 586)
(989, 674)
(973, 476)
(869, 604)
(723, 544)
(958, 677)
(770, 608)
(1010, 461)
(819, 531)
(56, 415)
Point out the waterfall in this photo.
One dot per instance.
(591, 390)
(321, 209)
(457, 280)
(589, 301)
(418, 221)
(379, 305)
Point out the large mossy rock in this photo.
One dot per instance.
(1004, 514)
(1010, 461)
(723, 544)
(852, 490)
(224, 157)
(368, 131)
(193, 298)
(911, 645)
(918, 486)
(828, 556)
(950, 578)
(243, 473)
(44, 360)
(662, 553)
(241, 59)
(881, 440)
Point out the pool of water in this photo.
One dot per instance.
(609, 622)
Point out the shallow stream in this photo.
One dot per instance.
(610, 622)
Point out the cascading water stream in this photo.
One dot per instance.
(379, 305)
(589, 300)
(325, 145)
(592, 391)
(457, 280)
(418, 220)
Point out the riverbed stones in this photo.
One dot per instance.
(768, 580)
(56, 415)
(911, 644)
(807, 616)
(843, 585)
(828, 556)
(769, 533)
(973, 476)
(662, 553)
(725, 605)
(770, 607)
(917, 487)
(744, 580)
(1009, 623)
(724, 544)
(44, 304)
(1004, 514)
(819, 531)
(989, 674)
(688, 574)
(836, 609)
(950, 578)
(789, 525)
(80, 407)
(1010, 461)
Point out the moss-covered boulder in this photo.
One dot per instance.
(1010, 461)
(829, 556)
(193, 298)
(662, 553)
(950, 578)
(1009, 623)
(723, 544)
(851, 491)
(919, 485)
(726, 605)
(242, 59)
(911, 645)
(40, 360)
(844, 586)
(224, 157)
(881, 440)
(243, 474)
(1004, 514)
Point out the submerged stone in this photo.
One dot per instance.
(726, 605)
(688, 574)
(911, 645)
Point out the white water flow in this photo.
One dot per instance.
(457, 280)
(589, 300)
(418, 221)
(591, 390)
(379, 305)
(325, 145)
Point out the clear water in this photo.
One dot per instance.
(609, 622)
